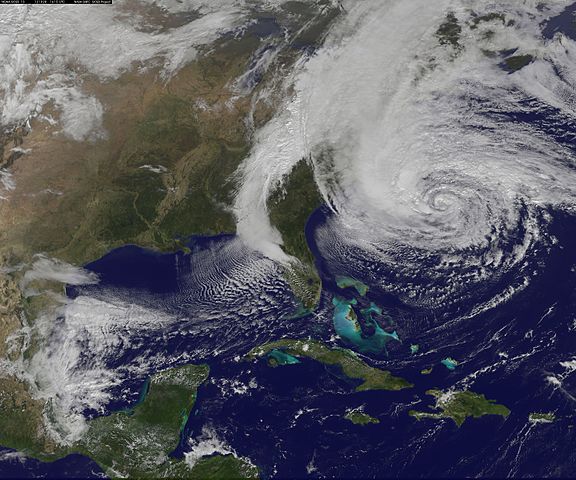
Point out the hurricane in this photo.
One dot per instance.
(296, 228)
(438, 165)
(434, 157)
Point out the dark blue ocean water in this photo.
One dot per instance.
(293, 419)
(73, 466)
(565, 23)
(291, 423)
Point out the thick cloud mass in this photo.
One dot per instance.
(433, 158)
(423, 148)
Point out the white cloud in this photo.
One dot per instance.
(38, 43)
(84, 347)
(207, 444)
(70, 369)
(416, 160)
(8, 183)
(45, 268)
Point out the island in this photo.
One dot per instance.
(358, 417)
(346, 282)
(517, 62)
(349, 329)
(449, 363)
(536, 417)
(351, 365)
(459, 405)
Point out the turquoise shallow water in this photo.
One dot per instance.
(282, 358)
(345, 282)
(449, 363)
(349, 328)
(294, 417)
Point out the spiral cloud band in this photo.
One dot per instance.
(426, 136)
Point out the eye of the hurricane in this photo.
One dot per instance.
(452, 208)
(444, 201)
(441, 210)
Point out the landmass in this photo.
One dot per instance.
(136, 443)
(489, 17)
(373, 338)
(165, 169)
(352, 366)
(449, 32)
(459, 405)
(290, 206)
(517, 62)
(162, 171)
(483, 27)
(536, 417)
(345, 282)
(358, 417)
(22, 425)
(449, 363)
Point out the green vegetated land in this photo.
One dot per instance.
(351, 365)
(358, 417)
(163, 176)
(517, 62)
(164, 171)
(346, 282)
(449, 32)
(460, 405)
(290, 206)
(541, 417)
(483, 28)
(136, 443)
(489, 17)
(21, 422)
